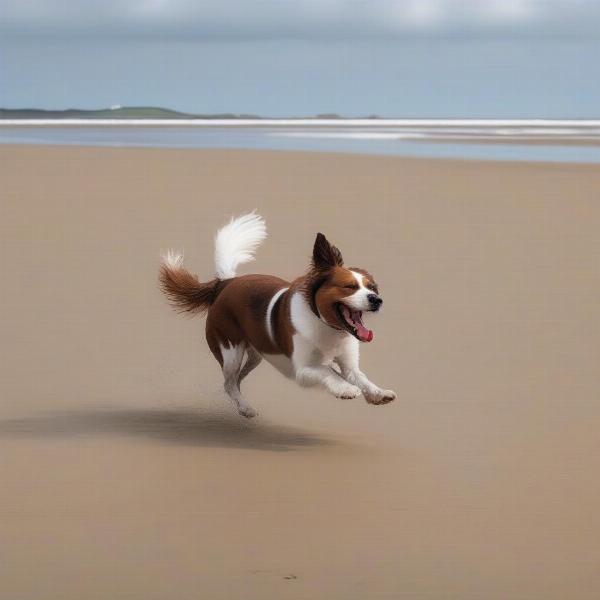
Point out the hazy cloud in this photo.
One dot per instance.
(300, 18)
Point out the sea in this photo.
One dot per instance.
(543, 140)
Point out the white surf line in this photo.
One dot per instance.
(351, 135)
(459, 134)
(337, 123)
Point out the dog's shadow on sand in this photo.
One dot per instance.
(183, 426)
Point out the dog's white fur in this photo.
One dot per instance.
(236, 243)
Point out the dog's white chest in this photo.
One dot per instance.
(314, 342)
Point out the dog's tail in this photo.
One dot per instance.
(183, 290)
(235, 244)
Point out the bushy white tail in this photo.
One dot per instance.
(236, 243)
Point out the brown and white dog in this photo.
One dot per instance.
(308, 329)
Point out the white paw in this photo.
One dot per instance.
(247, 411)
(346, 391)
(380, 397)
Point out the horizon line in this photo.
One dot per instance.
(379, 122)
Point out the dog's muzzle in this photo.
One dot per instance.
(375, 302)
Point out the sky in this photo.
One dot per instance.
(395, 58)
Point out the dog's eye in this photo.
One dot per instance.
(351, 286)
(373, 288)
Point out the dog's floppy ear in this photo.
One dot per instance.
(325, 256)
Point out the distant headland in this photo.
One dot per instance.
(137, 112)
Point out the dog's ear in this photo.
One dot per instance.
(325, 256)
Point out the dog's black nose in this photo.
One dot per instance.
(375, 301)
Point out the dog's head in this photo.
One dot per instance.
(339, 295)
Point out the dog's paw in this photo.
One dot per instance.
(247, 411)
(347, 392)
(380, 397)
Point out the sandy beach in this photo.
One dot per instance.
(124, 472)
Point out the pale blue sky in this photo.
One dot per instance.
(451, 58)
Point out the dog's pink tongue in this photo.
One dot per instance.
(355, 319)
(364, 334)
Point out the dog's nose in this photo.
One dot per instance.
(375, 301)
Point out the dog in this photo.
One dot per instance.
(308, 329)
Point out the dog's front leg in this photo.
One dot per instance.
(310, 370)
(349, 367)
(326, 377)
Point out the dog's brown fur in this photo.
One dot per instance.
(237, 307)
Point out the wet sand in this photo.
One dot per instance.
(125, 474)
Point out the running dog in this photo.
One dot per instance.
(308, 329)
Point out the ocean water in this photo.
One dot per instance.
(512, 140)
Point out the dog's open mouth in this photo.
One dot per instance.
(352, 319)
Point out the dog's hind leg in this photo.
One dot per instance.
(233, 356)
(252, 361)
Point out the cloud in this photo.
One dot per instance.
(300, 18)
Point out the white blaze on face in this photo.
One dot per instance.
(359, 300)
